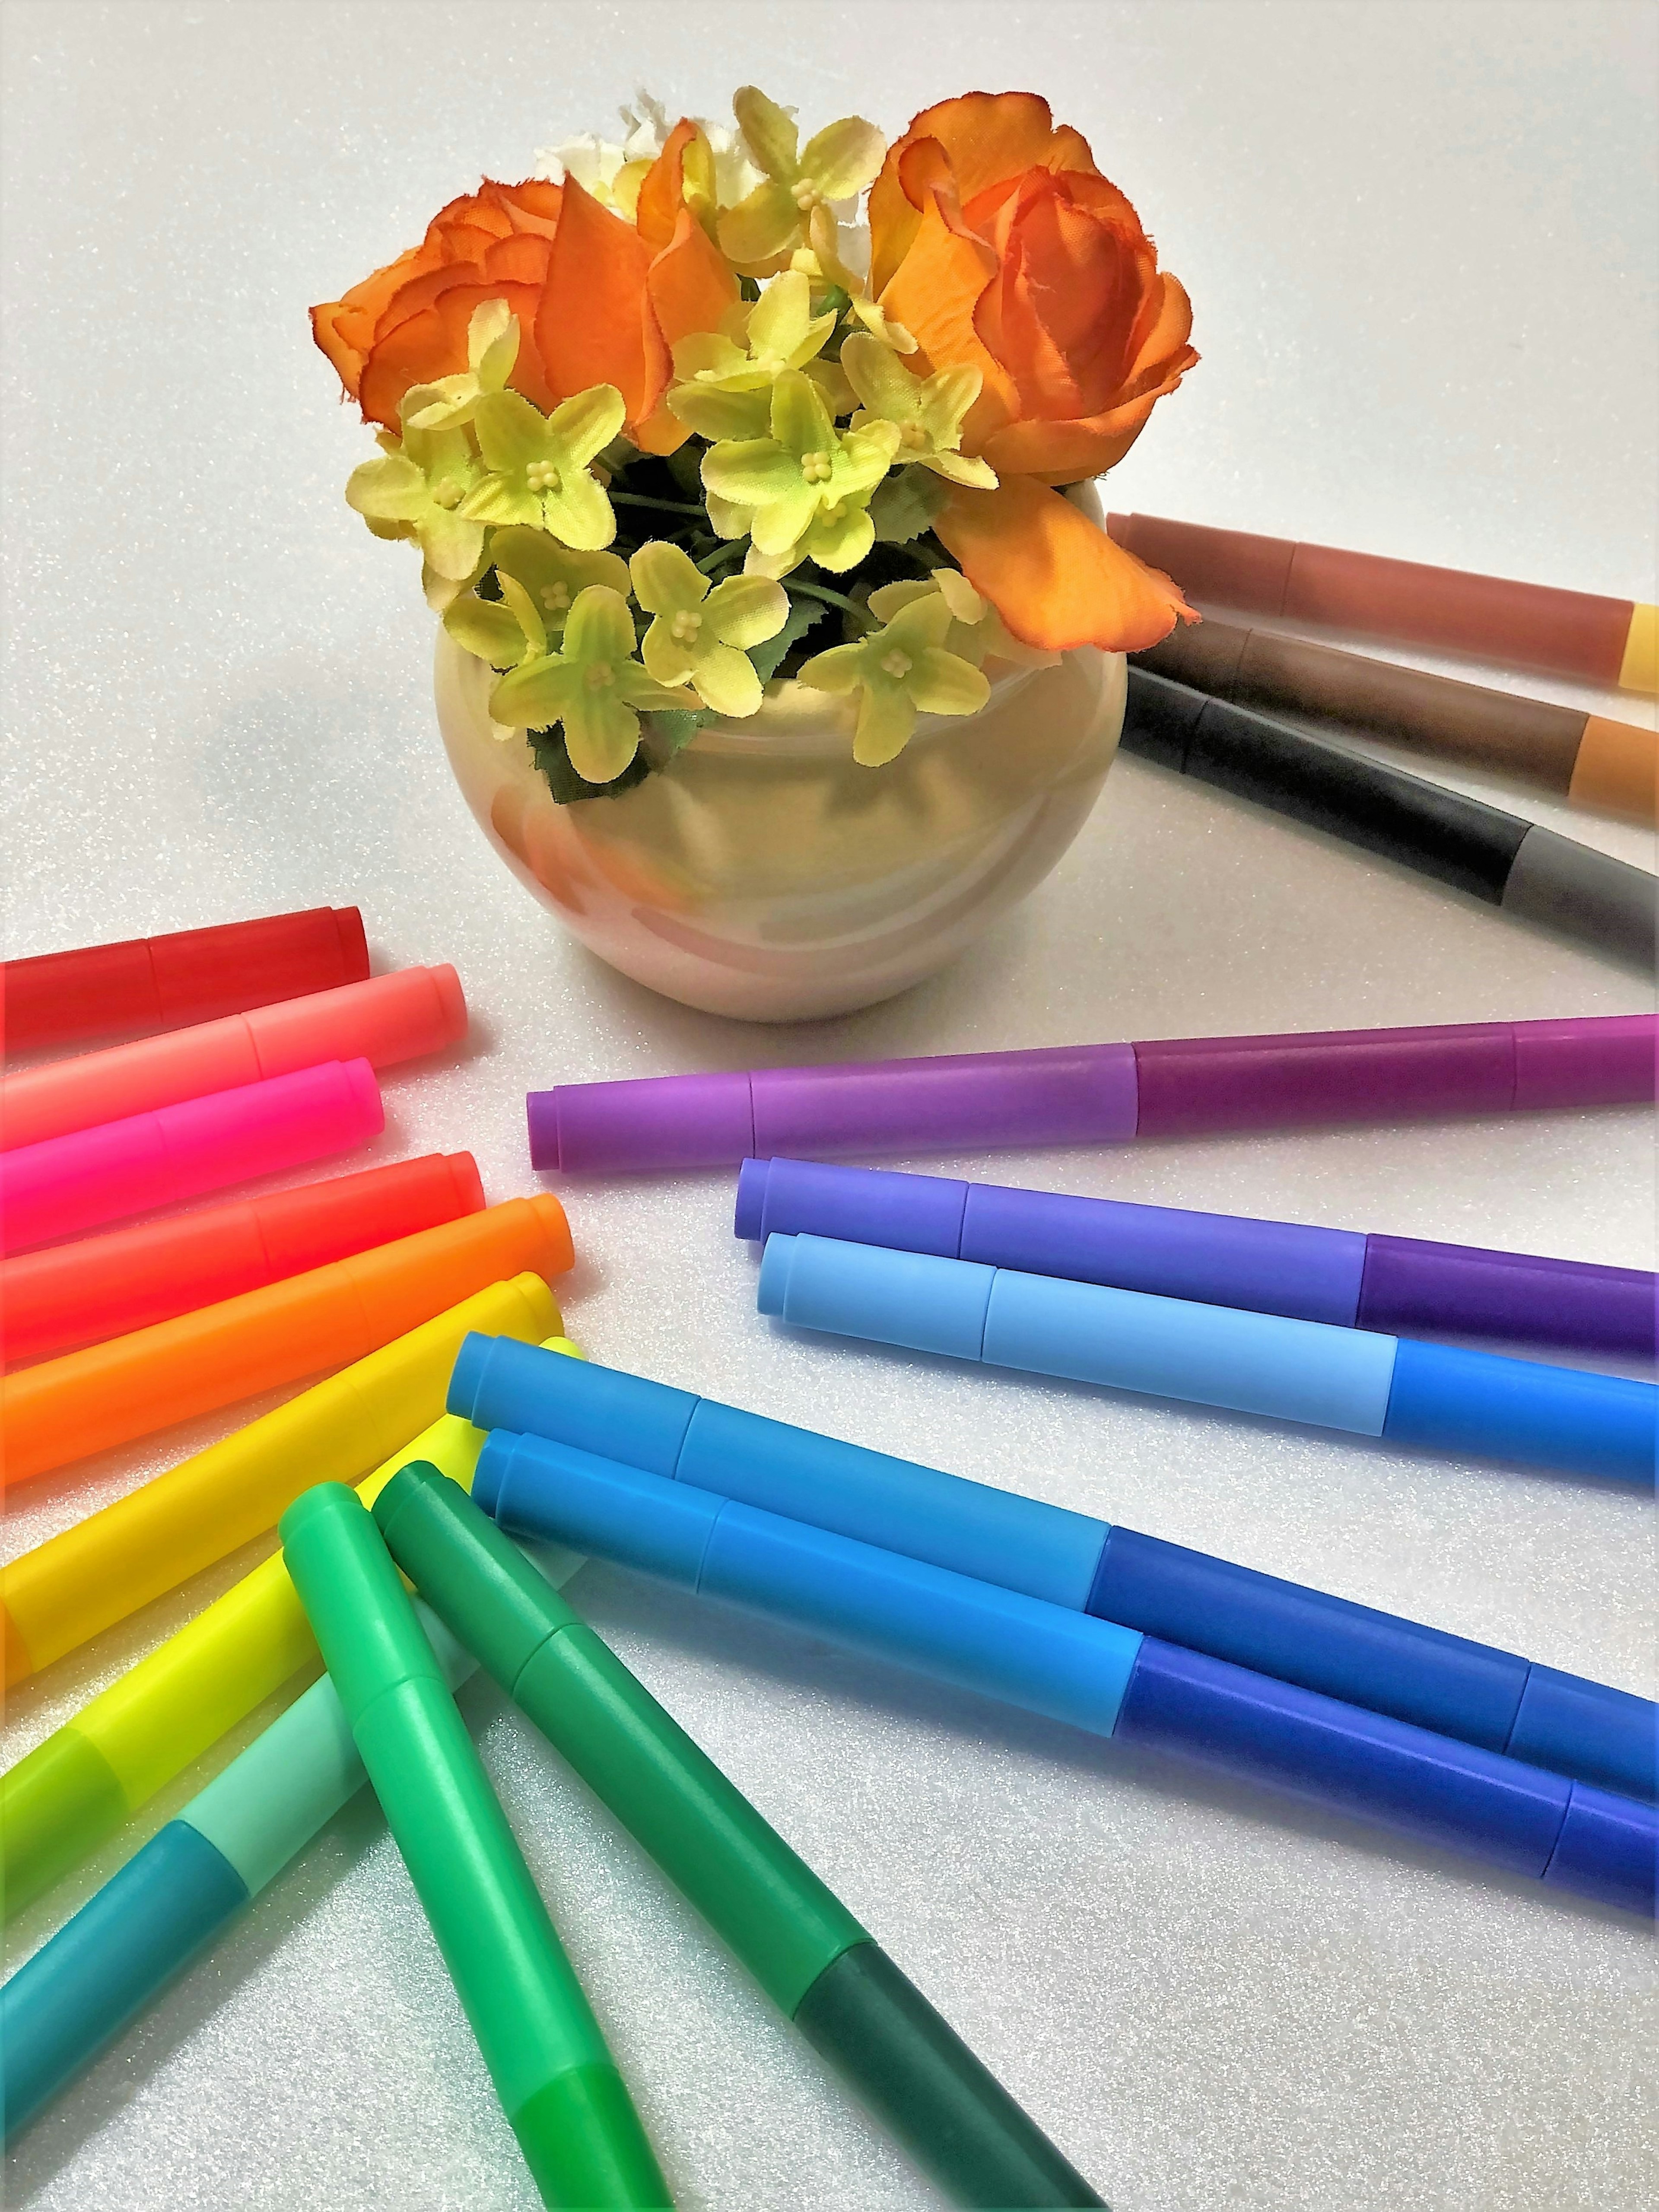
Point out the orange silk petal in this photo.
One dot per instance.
(988, 136)
(433, 343)
(1164, 326)
(662, 194)
(594, 325)
(691, 286)
(1055, 577)
(934, 295)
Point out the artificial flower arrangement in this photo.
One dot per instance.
(667, 431)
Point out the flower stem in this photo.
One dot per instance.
(728, 552)
(831, 598)
(644, 499)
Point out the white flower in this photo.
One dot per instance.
(597, 164)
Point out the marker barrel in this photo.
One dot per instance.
(557, 2082)
(188, 1883)
(60, 1800)
(66, 1185)
(189, 976)
(383, 1020)
(1082, 1671)
(793, 1933)
(1578, 633)
(70, 1295)
(83, 1580)
(1495, 1700)
(1390, 1284)
(1421, 1396)
(1093, 1094)
(109, 1393)
(1586, 759)
(1494, 856)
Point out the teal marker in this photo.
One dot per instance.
(191, 1881)
(558, 2084)
(816, 1963)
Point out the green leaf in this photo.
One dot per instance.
(803, 614)
(674, 727)
(905, 504)
(547, 749)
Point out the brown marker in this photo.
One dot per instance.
(1612, 642)
(1612, 767)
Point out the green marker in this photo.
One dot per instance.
(816, 1963)
(558, 2084)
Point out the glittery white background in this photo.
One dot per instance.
(1422, 243)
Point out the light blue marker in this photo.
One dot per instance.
(1426, 1397)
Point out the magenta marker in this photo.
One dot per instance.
(1099, 1094)
(64, 1185)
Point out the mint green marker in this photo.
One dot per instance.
(817, 1964)
(558, 2084)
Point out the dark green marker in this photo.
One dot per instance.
(812, 1958)
(558, 2084)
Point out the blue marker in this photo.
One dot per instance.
(1447, 1684)
(1424, 1396)
(1069, 1667)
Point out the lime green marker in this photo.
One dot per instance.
(816, 1963)
(558, 2084)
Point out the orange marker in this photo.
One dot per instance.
(111, 1393)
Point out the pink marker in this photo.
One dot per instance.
(66, 1185)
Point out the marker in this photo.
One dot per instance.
(1601, 640)
(1445, 1684)
(817, 1964)
(102, 1286)
(109, 1394)
(189, 976)
(85, 1578)
(558, 2085)
(383, 1020)
(1398, 1285)
(1590, 762)
(1093, 1094)
(64, 1185)
(64, 1798)
(1082, 1671)
(190, 1881)
(1424, 1397)
(1497, 858)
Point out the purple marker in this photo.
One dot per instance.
(1395, 1285)
(1091, 1094)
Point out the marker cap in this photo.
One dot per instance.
(1425, 1785)
(65, 1185)
(191, 976)
(383, 1019)
(1608, 1849)
(98, 1287)
(603, 1409)
(1414, 1289)
(128, 1941)
(909, 2065)
(1481, 1406)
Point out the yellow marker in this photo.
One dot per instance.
(1640, 669)
(68, 1589)
(59, 1803)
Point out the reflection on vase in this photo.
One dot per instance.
(762, 873)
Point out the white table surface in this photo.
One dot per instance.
(1421, 244)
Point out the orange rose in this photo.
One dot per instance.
(598, 301)
(998, 242)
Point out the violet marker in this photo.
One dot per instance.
(1397, 1285)
(1092, 1094)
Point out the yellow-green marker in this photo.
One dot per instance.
(557, 2082)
